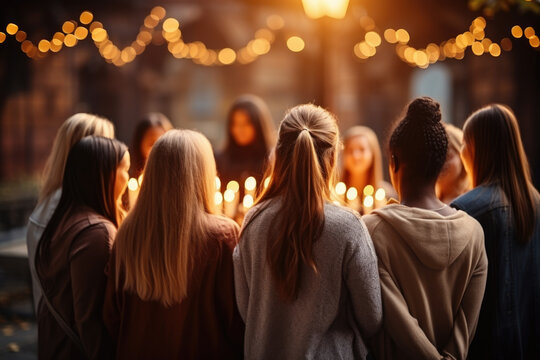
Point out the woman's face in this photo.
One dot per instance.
(468, 160)
(357, 156)
(149, 138)
(122, 176)
(242, 129)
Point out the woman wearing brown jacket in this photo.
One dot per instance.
(74, 250)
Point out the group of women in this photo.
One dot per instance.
(304, 277)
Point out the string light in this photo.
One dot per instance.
(261, 44)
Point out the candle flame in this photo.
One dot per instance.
(368, 201)
(341, 188)
(369, 190)
(139, 180)
(218, 198)
(133, 185)
(250, 183)
(248, 201)
(266, 182)
(233, 185)
(352, 193)
(380, 194)
(218, 183)
(229, 195)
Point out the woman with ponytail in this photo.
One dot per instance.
(305, 269)
(432, 261)
(507, 206)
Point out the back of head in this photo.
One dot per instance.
(492, 135)
(419, 142)
(71, 131)
(157, 242)
(375, 171)
(149, 121)
(260, 117)
(301, 176)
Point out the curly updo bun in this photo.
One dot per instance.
(419, 140)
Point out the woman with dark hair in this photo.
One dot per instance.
(432, 261)
(305, 269)
(147, 131)
(507, 206)
(74, 249)
(250, 138)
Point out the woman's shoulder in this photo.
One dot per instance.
(224, 230)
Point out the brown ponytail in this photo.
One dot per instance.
(302, 174)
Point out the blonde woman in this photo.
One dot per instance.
(170, 290)
(452, 181)
(362, 160)
(71, 131)
(305, 269)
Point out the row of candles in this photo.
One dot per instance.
(228, 201)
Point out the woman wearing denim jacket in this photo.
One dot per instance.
(507, 206)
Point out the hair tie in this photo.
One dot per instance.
(305, 129)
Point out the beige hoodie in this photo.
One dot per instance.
(433, 272)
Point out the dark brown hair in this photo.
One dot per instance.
(150, 121)
(492, 135)
(302, 173)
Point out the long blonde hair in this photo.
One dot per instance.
(375, 172)
(302, 175)
(71, 131)
(492, 134)
(158, 241)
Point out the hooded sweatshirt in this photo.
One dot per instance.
(433, 271)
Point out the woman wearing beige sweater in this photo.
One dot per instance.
(432, 261)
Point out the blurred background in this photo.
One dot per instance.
(364, 60)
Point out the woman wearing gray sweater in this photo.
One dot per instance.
(306, 277)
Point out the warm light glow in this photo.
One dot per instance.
(380, 194)
(158, 12)
(341, 188)
(369, 190)
(534, 41)
(477, 48)
(86, 17)
(20, 36)
(2, 37)
(70, 40)
(68, 27)
(368, 201)
(373, 39)
(260, 46)
(99, 34)
(44, 45)
(529, 32)
(229, 195)
(516, 31)
(266, 182)
(170, 25)
(319, 8)
(233, 185)
(81, 33)
(140, 179)
(250, 183)
(403, 36)
(227, 56)
(479, 23)
(133, 185)
(218, 183)
(95, 25)
(390, 36)
(218, 198)
(352, 194)
(494, 50)
(295, 43)
(151, 21)
(11, 29)
(248, 201)
(275, 22)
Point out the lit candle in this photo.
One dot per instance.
(218, 200)
(249, 186)
(352, 198)
(380, 198)
(230, 206)
(247, 202)
(368, 204)
(341, 189)
(133, 192)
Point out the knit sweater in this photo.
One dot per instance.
(337, 308)
(433, 271)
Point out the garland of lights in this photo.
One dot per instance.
(261, 44)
